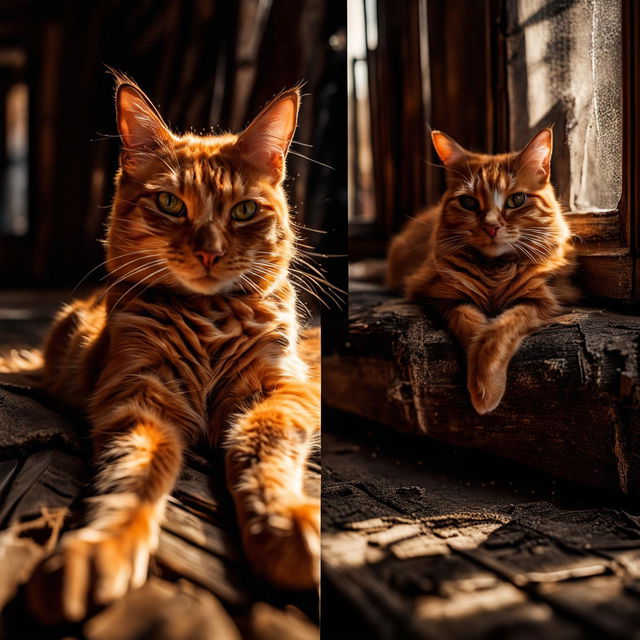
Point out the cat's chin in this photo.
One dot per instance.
(205, 285)
(497, 249)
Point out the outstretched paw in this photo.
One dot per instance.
(90, 568)
(283, 545)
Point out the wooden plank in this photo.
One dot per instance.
(26, 424)
(163, 610)
(48, 479)
(402, 368)
(445, 554)
(206, 570)
(201, 533)
(611, 276)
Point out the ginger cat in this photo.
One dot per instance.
(493, 257)
(194, 339)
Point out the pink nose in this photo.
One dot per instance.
(209, 258)
(491, 229)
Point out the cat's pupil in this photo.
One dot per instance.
(469, 202)
(170, 204)
(515, 200)
(244, 210)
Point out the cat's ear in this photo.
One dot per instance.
(139, 123)
(535, 159)
(267, 139)
(448, 150)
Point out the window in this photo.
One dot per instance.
(388, 43)
(362, 38)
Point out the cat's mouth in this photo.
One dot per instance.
(495, 247)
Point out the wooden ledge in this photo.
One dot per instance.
(572, 402)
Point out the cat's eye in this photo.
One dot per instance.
(515, 200)
(244, 210)
(171, 205)
(469, 202)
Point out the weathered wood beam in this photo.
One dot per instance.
(572, 402)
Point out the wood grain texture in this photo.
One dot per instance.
(424, 540)
(572, 402)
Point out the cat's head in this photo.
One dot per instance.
(500, 205)
(201, 214)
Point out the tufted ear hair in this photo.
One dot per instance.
(265, 142)
(448, 150)
(139, 123)
(535, 159)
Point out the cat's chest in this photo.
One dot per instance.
(504, 285)
(225, 350)
(225, 334)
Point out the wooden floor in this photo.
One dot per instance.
(425, 540)
(201, 586)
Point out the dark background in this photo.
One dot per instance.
(205, 63)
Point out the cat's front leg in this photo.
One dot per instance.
(267, 449)
(465, 320)
(491, 352)
(139, 457)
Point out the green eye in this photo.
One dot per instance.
(244, 210)
(468, 202)
(515, 200)
(170, 204)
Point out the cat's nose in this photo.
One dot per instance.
(209, 258)
(491, 228)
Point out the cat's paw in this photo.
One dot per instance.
(90, 568)
(283, 545)
(486, 373)
(486, 390)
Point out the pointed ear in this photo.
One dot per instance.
(139, 123)
(266, 140)
(535, 158)
(448, 150)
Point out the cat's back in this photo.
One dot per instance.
(411, 247)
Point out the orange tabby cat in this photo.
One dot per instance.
(194, 339)
(494, 257)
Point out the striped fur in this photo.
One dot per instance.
(173, 352)
(496, 273)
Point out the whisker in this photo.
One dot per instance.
(100, 265)
(151, 275)
(322, 164)
(125, 276)
(155, 255)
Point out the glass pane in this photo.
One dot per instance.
(565, 69)
(362, 37)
